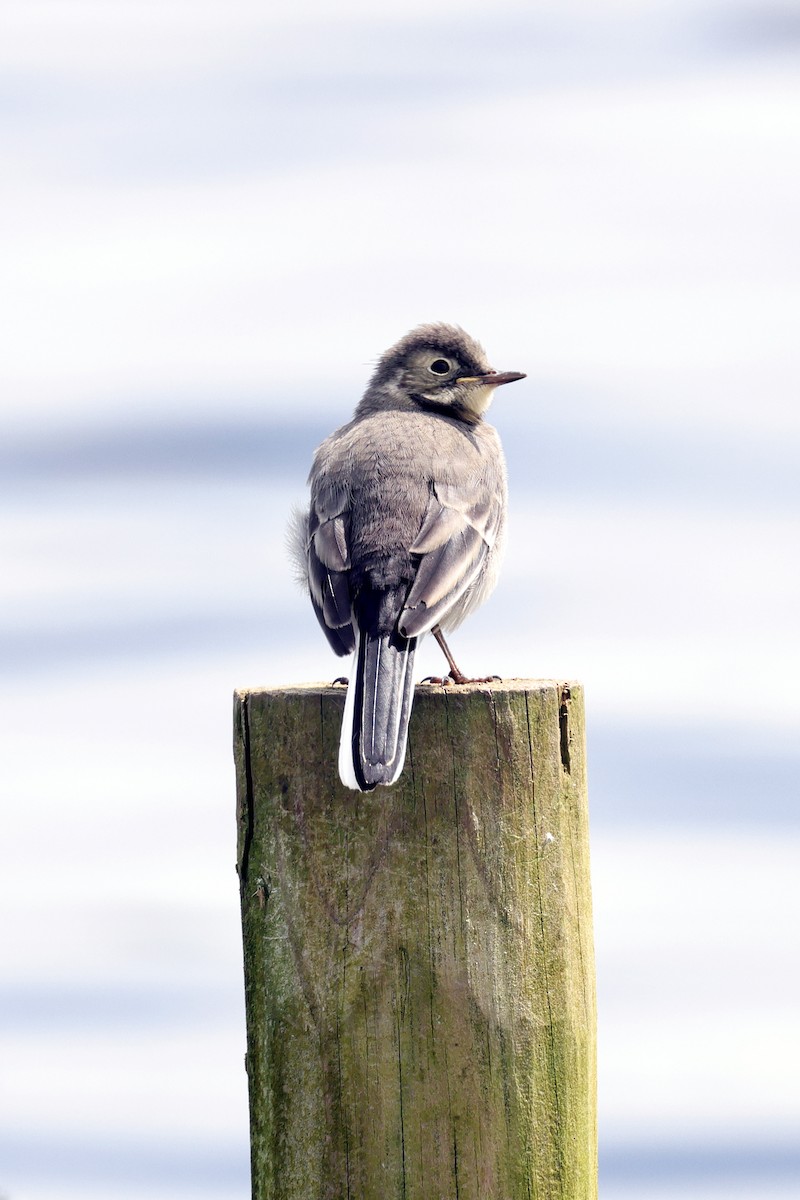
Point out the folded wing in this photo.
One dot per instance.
(457, 534)
(328, 567)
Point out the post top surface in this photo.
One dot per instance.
(498, 686)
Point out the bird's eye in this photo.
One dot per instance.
(440, 366)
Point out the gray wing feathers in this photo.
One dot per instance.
(456, 537)
(330, 544)
(439, 525)
(442, 577)
(327, 562)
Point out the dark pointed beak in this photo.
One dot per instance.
(493, 378)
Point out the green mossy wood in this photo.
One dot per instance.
(419, 966)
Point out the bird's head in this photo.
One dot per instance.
(440, 368)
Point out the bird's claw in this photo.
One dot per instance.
(457, 679)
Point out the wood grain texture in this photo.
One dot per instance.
(419, 965)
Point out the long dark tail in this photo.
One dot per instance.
(372, 749)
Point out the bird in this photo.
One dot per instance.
(404, 532)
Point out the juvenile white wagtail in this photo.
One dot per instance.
(404, 533)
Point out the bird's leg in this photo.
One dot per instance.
(456, 675)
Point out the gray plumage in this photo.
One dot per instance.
(404, 532)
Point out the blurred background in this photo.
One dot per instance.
(215, 217)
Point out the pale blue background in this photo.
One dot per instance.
(215, 217)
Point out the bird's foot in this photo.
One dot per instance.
(455, 678)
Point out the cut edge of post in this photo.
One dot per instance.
(450, 689)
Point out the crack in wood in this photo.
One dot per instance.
(563, 728)
(248, 816)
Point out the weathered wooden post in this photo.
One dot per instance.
(419, 966)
